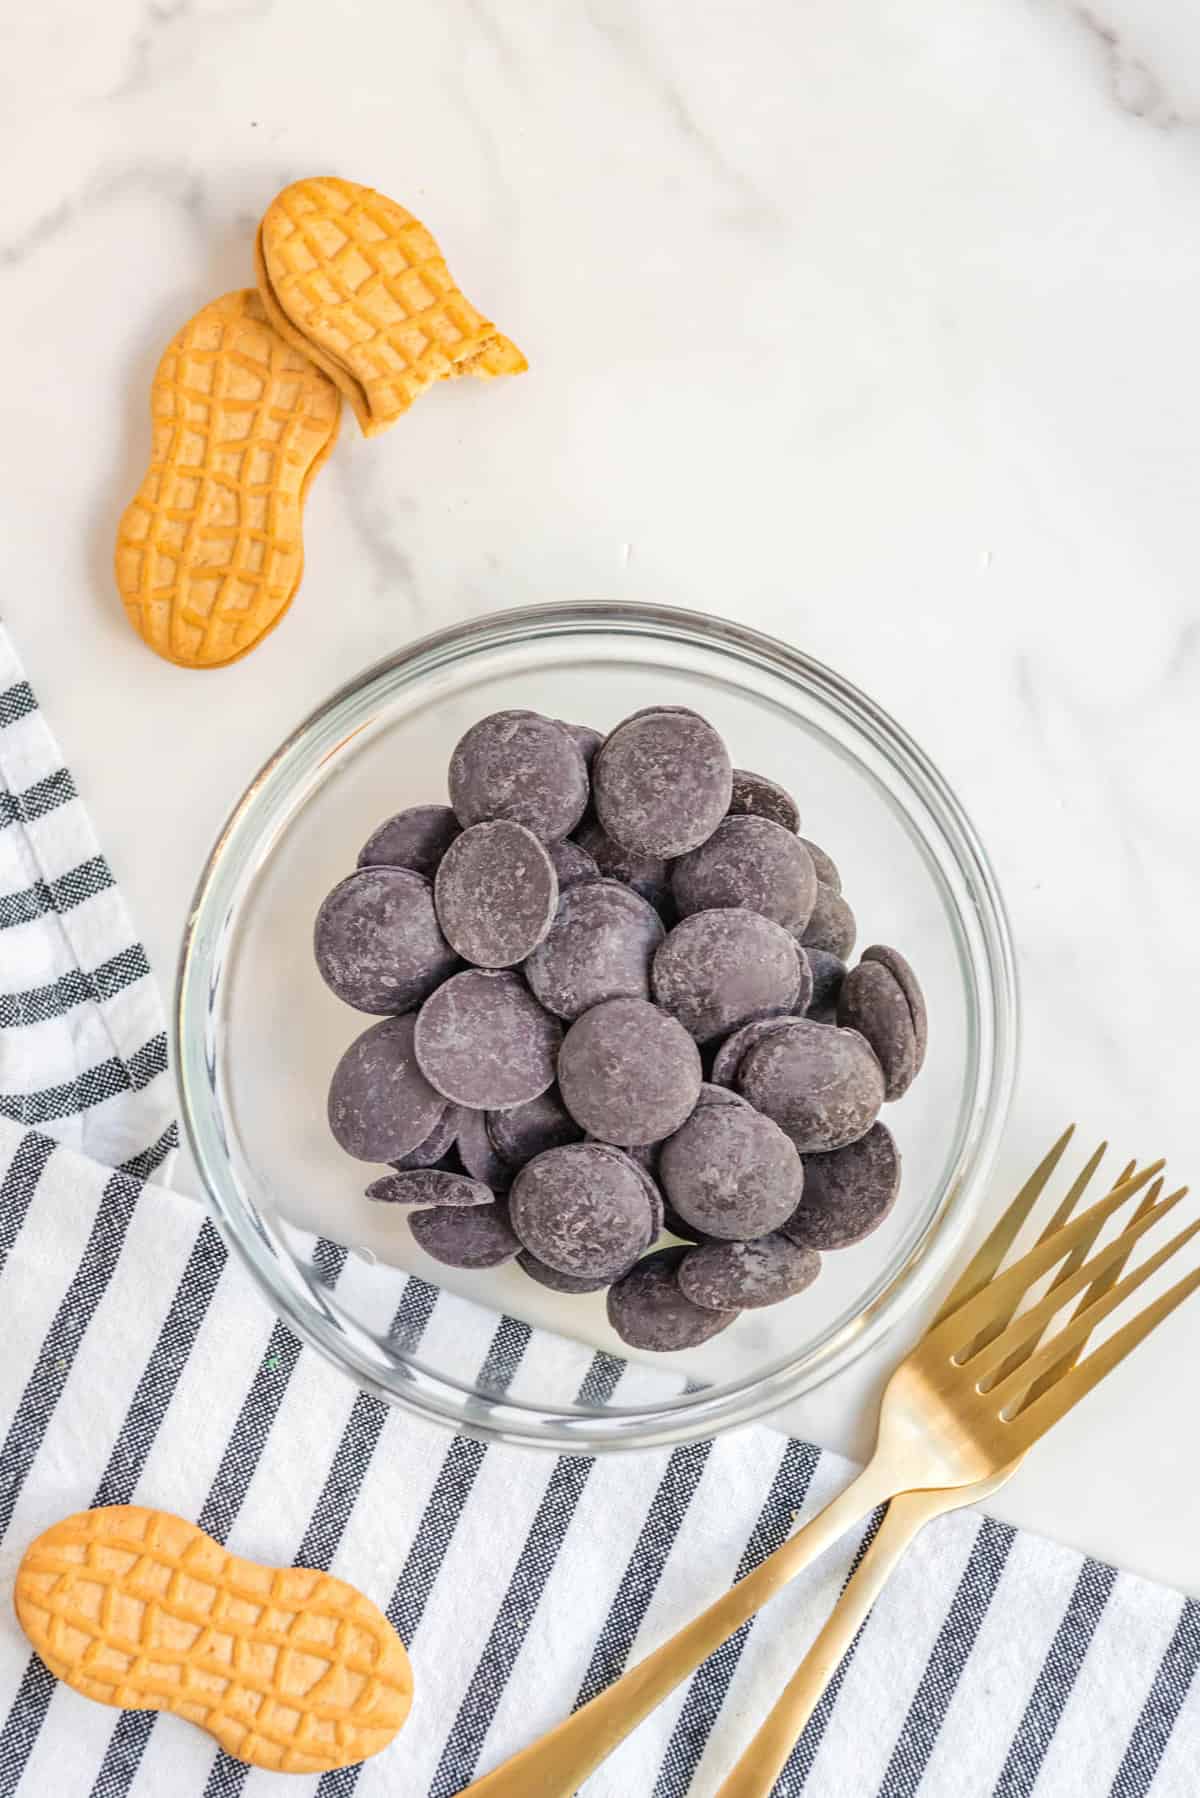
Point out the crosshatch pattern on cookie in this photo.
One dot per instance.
(287, 1668)
(364, 280)
(210, 552)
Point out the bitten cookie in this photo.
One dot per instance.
(357, 283)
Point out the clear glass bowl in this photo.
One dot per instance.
(257, 1033)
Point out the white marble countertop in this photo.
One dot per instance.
(869, 325)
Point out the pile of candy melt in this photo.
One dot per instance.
(616, 1006)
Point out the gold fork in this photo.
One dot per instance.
(762, 1762)
(937, 1429)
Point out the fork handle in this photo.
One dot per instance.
(763, 1761)
(557, 1765)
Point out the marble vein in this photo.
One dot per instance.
(169, 181)
(1136, 88)
(630, 45)
(170, 29)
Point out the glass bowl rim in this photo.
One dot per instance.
(312, 1312)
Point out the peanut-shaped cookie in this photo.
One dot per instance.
(288, 1669)
(210, 553)
(357, 283)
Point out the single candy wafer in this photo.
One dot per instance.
(361, 286)
(599, 946)
(519, 766)
(437, 1144)
(470, 1236)
(831, 925)
(496, 893)
(380, 1104)
(847, 1193)
(755, 796)
(210, 552)
(572, 863)
(821, 1085)
(825, 866)
(582, 1210)
(751, 863)
(484, 1041)
(721, 969)
(524, 1131)
(731, 1173)
(646, 874)
(287, 1668)
(628, 1073)
(427, 1186)
(896, 965)
(873, 1002)
(377, 941)
(416, 838)
(477, 1152)
(648, 1311)
(662, 781)
(741, 1276)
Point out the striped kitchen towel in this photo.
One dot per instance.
(81, 1026)
(141, 1365)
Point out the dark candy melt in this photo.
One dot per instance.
(417, 838)
(496, 893)
(484, 1041)
(380, 1103)
(520, 766)
(732, 1173)
(662, 782)
(749, 863)
(719, 969)
(741, 1276)
(757, 797)
(821, 1085)
(477, 1152)
(429, 1186)
(377, 941)
(648, 1310)
(872, 1001)
(439, 1142)
(848, 1193)
(469, 1236)
(599, 947)
(528, 1130)
(831, 926)
(628, 1073)
(899, 968)
(582, 1210)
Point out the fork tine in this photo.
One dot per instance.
(1080, 1328)
(1078, 1187)
(1030, 1324)
(1004, 1232)
(1086, 1243)
(1034, 1421)
(1094, 1293)
(1007, 1288)
(1071, 1264)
